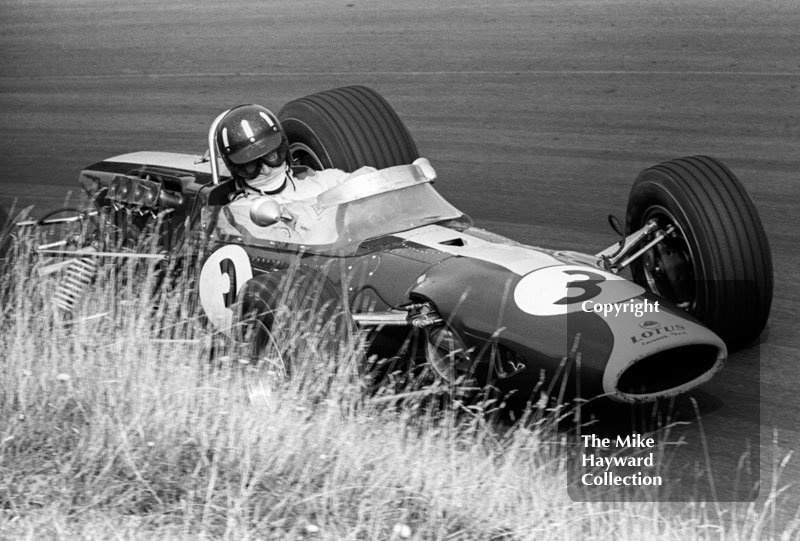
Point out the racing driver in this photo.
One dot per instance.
(255, 149)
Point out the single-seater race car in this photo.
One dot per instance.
(403, 264)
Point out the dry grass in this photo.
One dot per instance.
(108, 433)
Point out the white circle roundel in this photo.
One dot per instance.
(223, 274)
(562, 289)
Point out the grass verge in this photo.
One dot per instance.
(120, 427)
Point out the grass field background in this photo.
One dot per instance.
(124, 426)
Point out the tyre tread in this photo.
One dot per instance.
(730, 240)
(358, 127)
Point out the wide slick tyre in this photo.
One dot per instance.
(717, 263)
(281, 312)
(346, 128)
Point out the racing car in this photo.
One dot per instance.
(649, 317)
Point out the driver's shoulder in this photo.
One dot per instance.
(313, 183)
(308, 174)
(331, 176)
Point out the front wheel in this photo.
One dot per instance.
(716, 263)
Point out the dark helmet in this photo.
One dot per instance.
(248, 135)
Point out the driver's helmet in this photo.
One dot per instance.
(249, 136)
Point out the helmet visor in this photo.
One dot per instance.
(267, 143)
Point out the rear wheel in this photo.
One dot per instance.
(283, 315)
(717, 263)
(346, 128)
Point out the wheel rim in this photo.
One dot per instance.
(303, 155)
(447, 355)
(669, 267)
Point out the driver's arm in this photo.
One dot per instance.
(330, 178)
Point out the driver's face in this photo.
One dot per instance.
(260, 166)
(272, 159)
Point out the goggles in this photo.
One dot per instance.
(250, 170)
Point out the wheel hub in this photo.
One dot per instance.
(446, 353)
(668, 267)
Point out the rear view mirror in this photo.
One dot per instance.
(266, 211)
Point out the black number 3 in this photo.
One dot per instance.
(227, 267)
(589, 286)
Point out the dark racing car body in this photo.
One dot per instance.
(405, 265)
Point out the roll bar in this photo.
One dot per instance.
(212, 147)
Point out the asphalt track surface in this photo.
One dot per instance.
(537, 116)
